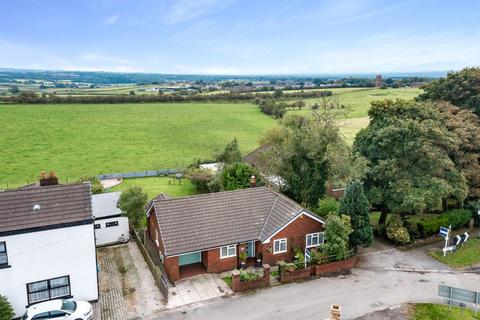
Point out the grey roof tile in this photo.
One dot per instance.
(211, 220)
(58, 204)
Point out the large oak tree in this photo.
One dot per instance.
(409, 169)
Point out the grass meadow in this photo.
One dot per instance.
(76, 140)
(89, 139)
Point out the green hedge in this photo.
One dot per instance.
(457, 218)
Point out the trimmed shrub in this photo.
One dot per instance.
(457, 218)
(327, 206)
(249, 275)
(396, 232)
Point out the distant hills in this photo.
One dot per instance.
(100, 77)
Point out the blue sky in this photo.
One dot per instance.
(240, 37)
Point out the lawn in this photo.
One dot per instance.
(464, 256)
(429, 311)
(153, 186)
(359, 98)
(87, 139)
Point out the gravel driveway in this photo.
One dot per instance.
(127, 288)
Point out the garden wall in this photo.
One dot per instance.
(299, 274)
(239, 286)
(332, 267)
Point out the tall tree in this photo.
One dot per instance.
(466, 126)
(230, 154)
(238, 176)
(409, 169)
(461, 88)
(132, 203)
(307, 151)
(354, 203)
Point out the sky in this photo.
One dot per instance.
(240, 36)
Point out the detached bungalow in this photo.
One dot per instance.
(207, 232)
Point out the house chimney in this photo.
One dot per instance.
(49, 179)
(335, 312)
(253, 181)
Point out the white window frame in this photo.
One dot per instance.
(229, 247)
(280, 241)
(311, 235)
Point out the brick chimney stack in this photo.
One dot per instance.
(335, 312)
(253, 181)
(49, 179)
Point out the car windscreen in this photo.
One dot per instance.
(69, 306)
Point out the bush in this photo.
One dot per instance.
(396, 232)
(95, 183)
(318, 257)
(337, 237)
(457, 218)
(299, 260)
(201, 179)
(474, 207)
(238, 176)
(327, 206)
(6, 310)
(249, 275)
(286, 267)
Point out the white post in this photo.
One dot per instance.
(446, 240)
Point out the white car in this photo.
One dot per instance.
(60, 309)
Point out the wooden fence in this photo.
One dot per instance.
(160, 278)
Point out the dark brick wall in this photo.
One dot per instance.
(217, 265)
(295, 234)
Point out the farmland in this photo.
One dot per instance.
(87, 139)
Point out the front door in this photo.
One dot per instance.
(251, 249)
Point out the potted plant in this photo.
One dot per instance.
(259, 259)
(243, 259)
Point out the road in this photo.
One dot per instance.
(375, 284)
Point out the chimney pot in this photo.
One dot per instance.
(253, 181)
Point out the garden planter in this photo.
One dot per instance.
(259, 262)
(298, 274)
(239, 286)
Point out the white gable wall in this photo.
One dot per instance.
(109, 235)
(50, 254)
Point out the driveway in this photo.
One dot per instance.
(196, 289)
(127, 288)
(377, 283)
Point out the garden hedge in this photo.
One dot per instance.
(457, 218)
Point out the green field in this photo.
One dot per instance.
(77, 140)
(89, 139)
(153, 186)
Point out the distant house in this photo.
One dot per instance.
(47, 245)
(110, 225)
(207, 232)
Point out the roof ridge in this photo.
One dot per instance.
(268, 217)
(211, 194)
(43, 188)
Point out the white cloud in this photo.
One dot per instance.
(111, 19)
(185, 10)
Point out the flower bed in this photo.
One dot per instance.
(333, 267)
(243, 281)
(298, 274)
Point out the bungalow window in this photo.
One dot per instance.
(228, 251)
(3, 255)
(280, 246)
(314, 239)
(48, 289)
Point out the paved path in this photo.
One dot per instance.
(373, 285)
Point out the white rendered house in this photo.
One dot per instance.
(110, 225)
(47, 245)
